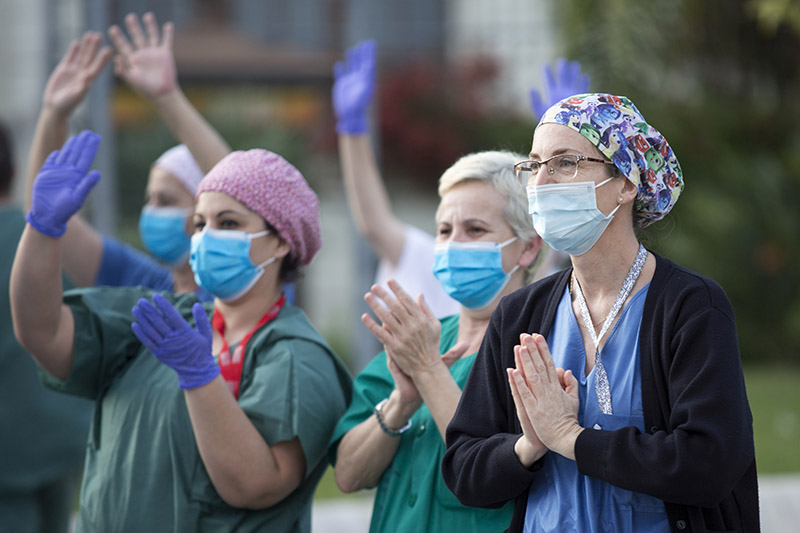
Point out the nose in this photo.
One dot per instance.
(543, 177)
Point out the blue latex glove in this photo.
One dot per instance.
(353, 87)
(174, 342)
(63, 184)
(568, 81)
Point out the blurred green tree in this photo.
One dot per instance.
(720, 79)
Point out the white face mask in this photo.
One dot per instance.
(566, 216)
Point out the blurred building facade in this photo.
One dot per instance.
(275, 42)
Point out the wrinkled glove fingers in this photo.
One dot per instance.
(52, 158)
(151, 319)
(202, 322)
(537, 105)
(86, 184)
(562, 71)
(366, 52)
(339, 70)
(86, 150)
(573, 73)
(172, 317)
(65, 154)
(144, 337)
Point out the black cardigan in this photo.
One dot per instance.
(698, 454)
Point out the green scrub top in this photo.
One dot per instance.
(412, 495)
(143, 469)
(42, 433)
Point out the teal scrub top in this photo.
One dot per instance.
(143, 469)
(42, 433)
(411, 495)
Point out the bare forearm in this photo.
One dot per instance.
(368, 199)
(50, 134)
(366, 451)
(42, 323)
(189, 126)
(245, 470)
(440, 393)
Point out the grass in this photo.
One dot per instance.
(327, 489)
(774, 394)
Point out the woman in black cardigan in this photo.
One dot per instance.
(610, 396)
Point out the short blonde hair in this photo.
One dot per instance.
(497, 168)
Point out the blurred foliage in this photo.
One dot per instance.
(431, 115)
(723, 89)
(773, 13)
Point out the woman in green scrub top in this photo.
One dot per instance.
(239, 442)
(392, 435)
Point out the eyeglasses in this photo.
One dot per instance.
(562, 167)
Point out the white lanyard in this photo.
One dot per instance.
(600, 376)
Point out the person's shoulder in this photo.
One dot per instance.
(534, 293)
(681, 284)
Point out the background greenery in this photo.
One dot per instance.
(720, 80)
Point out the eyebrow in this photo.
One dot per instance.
(557, 151)
(220, 214)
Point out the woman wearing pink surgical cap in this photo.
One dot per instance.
(238, 442)
(609, 396)
(165, 224)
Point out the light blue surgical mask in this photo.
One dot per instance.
(163, 232)
(220, 260)
(566, 216)
(472, 272)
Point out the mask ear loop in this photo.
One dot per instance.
(509, 241)
(263, 234)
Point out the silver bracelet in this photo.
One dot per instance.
(386, 429)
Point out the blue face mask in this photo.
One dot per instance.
(566, 216)
(220, 260)
(163, 232)
(472, 272)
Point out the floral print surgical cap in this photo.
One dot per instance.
(640, 152)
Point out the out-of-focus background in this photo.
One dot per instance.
(719, 78)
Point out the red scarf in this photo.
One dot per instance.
(231, 367)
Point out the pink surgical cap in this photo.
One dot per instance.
(269, 185)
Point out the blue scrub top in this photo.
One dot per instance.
(561, 499)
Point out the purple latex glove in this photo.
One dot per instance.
(63, 184)
(353, 87)
(174, 342)
(568, 81)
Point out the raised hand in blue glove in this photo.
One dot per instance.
(353, 87)
(568, 81)
(63, 184)
(174, 342)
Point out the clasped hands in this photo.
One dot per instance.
(546, 399)
(410, 333)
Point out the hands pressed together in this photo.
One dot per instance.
(546, 399)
